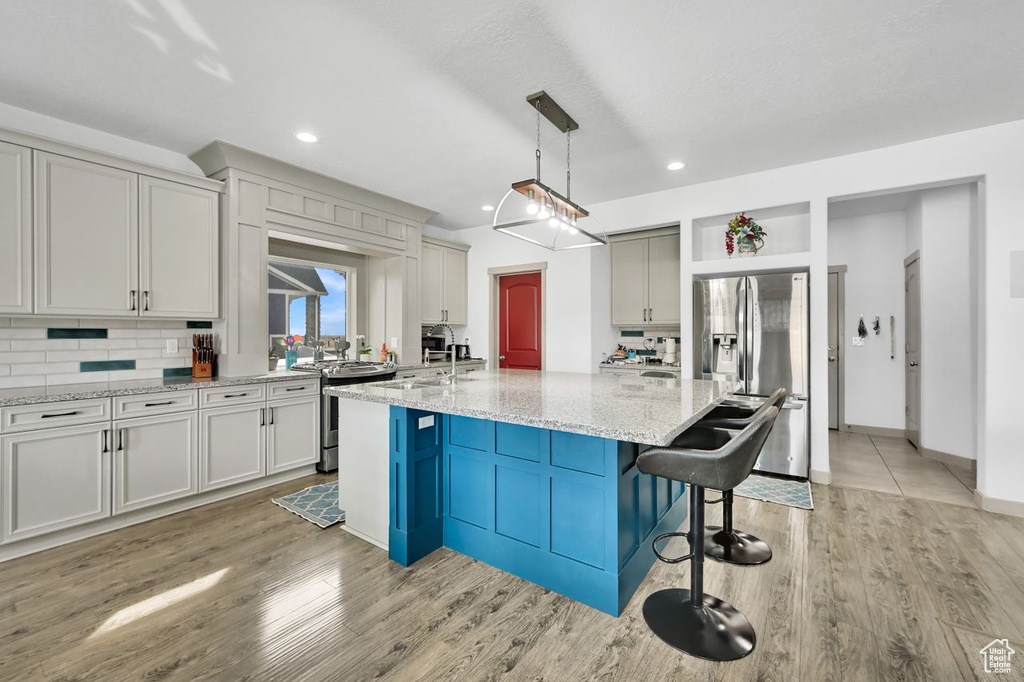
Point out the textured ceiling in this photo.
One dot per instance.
(425, 101)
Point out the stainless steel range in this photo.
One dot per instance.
(334, 373)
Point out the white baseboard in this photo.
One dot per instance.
(952, 460)
(874, 430)
(822, 477)
(999, 506)
(364, 537)
(63, 537)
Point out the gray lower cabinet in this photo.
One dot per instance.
(156, 459)
(54, 479)
(232, 445)
(293, 433)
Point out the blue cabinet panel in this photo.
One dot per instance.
(426, 479)
(663, 496)
(580, 453)
(468, 489)
(475, 434)
(629, 529)
(517, 504)
(577, 521)
(522, 442)
(646, 501)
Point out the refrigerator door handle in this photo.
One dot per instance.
(741, 335)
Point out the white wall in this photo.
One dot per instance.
(991, 153)
(948, 320)
(872, 248)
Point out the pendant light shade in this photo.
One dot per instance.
(535, 212)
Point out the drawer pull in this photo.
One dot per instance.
(166, 402)
(236, 395)
(296, 388)
(60, 414)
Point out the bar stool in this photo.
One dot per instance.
(690, 620)
(724, 543)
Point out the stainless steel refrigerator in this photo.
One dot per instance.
(755, 329)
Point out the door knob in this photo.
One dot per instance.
(831, 358)
(501, 357)
(913, 364)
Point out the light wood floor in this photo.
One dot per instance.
(893, 465)
(869, 586)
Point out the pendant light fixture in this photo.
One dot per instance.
(535, 212)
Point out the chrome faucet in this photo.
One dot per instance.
(448, 378)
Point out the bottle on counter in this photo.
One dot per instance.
(384, 352)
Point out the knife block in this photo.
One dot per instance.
(201, 370)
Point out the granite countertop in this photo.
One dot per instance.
(627, 408)
(640, 366)
(107, 389)
(441, 363)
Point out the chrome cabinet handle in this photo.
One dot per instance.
(235, 395)
(271, 410)
(105, 443)
(650, 314)
(166, 402)
(120, 440)
(263, 417)
(131, 299)
(300, 388)
(145, 298)
(645, 314)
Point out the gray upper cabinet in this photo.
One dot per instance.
(444, 282)
(178, 250)
(646, 278)
(15, 229)
(86, 227)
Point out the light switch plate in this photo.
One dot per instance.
(394, 342)
(425, 422)
(172, 345)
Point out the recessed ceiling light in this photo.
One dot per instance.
(306, 137)
(487, 207)
(676, 165)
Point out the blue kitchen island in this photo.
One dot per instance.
(531, 472)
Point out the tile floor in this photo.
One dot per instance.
(893, 465)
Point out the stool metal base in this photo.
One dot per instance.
(716, 631)
(735, 547)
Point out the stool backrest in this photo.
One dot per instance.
(660, 375)
(743, 416)
(721, 469)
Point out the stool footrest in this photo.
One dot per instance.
(720, 499)
(671, 560)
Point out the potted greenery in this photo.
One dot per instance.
(272, 359)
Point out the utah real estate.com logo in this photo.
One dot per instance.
(997, 656)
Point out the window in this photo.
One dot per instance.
(308, 302)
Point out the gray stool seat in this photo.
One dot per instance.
(724, 543)
(659, 374)
(689, 620)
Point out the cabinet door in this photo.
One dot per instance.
(293, 433)
(178, 250)
(54, 479)
(155, 460)
(15, 229)
(86, 228)
(232, 445)
(664, 283)
(432, 283)
(455, 285)
(629, 282)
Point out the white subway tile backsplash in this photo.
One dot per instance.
(5, 370)
(5, 322)
(135, 374)
(160, 362)
(78, 378)
(152, 343)
(10, 333)
(117, 324)
(5, 344)
(43, 344)
(133, 353)
(161, 324)
(76, 355)
(135, 333)
(46, 322)
(44, 368)
(22, 382)
(12, 358)
(108, 344)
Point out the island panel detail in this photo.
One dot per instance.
(566, 511)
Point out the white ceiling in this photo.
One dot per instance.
(425, 101)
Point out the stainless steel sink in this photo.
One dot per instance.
(409, 384)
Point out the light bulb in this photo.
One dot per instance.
(564, 226)
(553, 221)
(532, 208)
(543, 212)
(573, 231)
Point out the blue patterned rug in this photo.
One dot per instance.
(317, 504)
(778, 490)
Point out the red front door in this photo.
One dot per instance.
(519, 332)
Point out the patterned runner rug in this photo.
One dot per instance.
(778, 490)
(317, 504)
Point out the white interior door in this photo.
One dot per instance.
(912, 293)
(834, 349)
(87, 223)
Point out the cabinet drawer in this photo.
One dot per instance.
(292, 389)
(48, 415)
(155, 403)
(409, 374)
(232, 395)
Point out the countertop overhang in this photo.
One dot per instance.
(644, 410)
